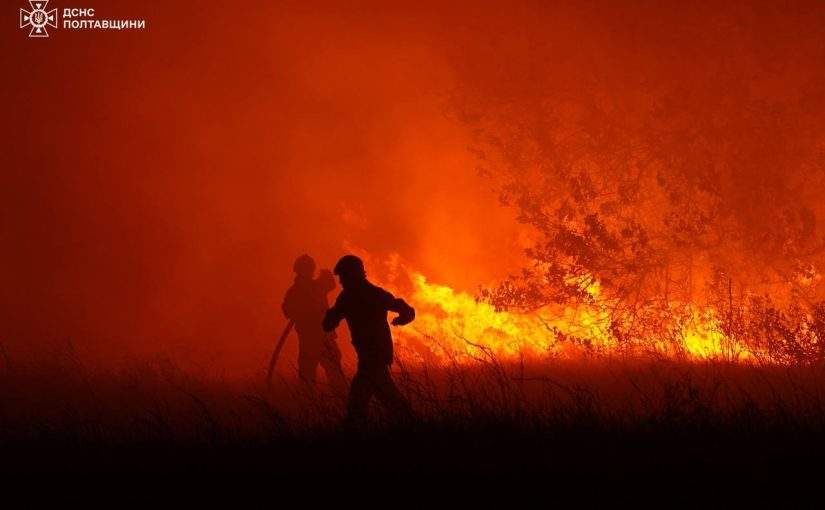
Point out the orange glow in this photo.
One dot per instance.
(160, 184)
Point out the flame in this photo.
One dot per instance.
(454, 326)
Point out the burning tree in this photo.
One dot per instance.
(664, 190)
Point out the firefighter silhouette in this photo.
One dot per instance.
(364, 306)
(304, 304)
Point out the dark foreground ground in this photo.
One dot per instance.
(698, 467)
(653, 433)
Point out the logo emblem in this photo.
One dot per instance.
(38, 19)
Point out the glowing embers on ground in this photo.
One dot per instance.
(454, 326)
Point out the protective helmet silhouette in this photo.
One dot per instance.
(304, 265)
(350, 266)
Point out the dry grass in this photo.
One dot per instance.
(606, 419)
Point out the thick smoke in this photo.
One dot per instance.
(159, 184)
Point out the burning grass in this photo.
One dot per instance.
(456, 326)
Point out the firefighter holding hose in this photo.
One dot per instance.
(304, 305)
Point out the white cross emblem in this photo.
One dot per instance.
(38, 18)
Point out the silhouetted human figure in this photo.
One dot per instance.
(305, 303)
(364, 306)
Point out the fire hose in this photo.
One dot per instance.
(277, 352)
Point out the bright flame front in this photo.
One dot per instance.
(453, 326)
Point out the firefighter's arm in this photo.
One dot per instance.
(333, 317)
(406, 313)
